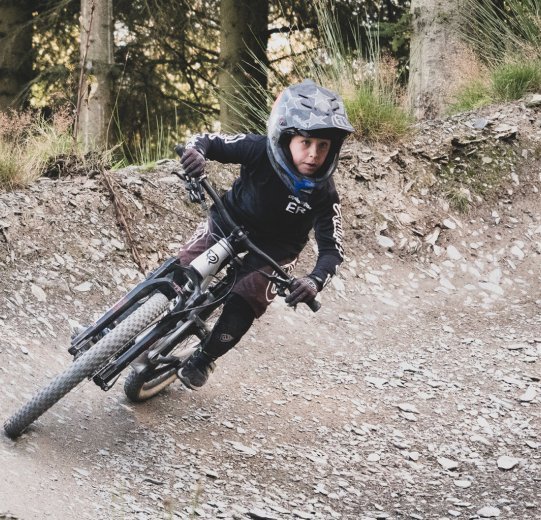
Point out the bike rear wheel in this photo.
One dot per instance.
(86, 365)
(142, 385)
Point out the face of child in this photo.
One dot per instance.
(309, 153)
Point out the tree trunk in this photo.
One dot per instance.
(15, 52)
(243, 57)
(435, 48)
(96, 87)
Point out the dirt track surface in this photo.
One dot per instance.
(413, 393)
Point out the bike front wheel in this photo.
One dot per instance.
(86, 365)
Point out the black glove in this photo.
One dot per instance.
(193, 163)
(303, 290)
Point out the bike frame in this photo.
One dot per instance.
(165, 313)
(186, 316)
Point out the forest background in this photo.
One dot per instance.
(112, 83)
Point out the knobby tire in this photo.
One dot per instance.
(86, 365)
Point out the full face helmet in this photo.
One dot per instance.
(311, 111)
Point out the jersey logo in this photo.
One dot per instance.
(228, 139)
(270, 291)
(338, 232)
(296, 206)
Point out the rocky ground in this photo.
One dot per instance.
(413, 392)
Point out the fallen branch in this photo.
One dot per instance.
(6, 238)
(121, 211)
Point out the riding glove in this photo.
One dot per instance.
(193, 162)
(303, 290)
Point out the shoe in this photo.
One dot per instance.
(195, 372)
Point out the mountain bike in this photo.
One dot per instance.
(157, 325)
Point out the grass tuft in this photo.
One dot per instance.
(32, 146)
(147, 146)
(511, 81)
(507, 82)
(375, 116)
(472, 96)
(459, 199)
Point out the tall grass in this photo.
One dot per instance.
(147, 147)
(365, 78)
(508, 42)
(500, 35)
(29, 144)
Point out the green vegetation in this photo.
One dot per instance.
(512, 81)
(502, 34)
(473, 95)
(365, 77)
(508, 82)
(147, 148)
(29, 145)
(375, 115)
(473, 172)
(161, 79)
(32, 146)
(459, 199)
(508, 42)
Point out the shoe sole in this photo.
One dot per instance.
(186, 382)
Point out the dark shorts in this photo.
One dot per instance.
(251, 285)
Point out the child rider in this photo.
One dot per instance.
(284, 190)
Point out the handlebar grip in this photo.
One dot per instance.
(180, 150)
(314, 305)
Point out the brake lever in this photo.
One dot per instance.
(194, 188)
(280, 283)
(285, 283)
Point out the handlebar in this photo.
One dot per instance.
(314, 305)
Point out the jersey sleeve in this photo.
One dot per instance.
(329, 234)
(235, 149)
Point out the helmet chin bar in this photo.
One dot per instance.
(301, 183)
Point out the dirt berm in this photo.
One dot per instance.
(413, 393)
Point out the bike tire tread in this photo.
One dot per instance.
(85, 366)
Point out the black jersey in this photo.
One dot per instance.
(260, 202)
